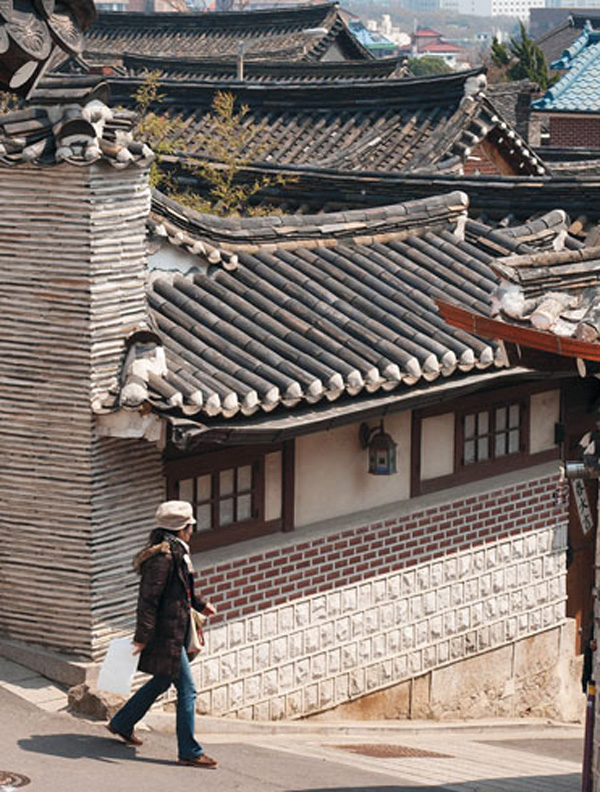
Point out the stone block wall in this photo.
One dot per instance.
(322, 622)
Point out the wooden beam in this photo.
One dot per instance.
(524, 336)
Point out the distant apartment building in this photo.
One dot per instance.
(492, 8)
(432, 5)
(573, 4)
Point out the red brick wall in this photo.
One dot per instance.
(480, 162)
(279, 575)
(574, 131)
(487, 158)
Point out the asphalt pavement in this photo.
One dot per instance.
(45, 748)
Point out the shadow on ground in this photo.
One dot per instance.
(83, 746)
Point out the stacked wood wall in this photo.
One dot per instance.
(126, 490)
(72, 261)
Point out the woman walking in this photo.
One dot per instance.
(166, 597)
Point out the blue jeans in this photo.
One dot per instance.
(141, 701)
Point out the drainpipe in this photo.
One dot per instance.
(587, 776)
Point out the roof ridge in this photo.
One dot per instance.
(226, 18)
(297, 229)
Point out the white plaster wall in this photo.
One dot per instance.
(166, 256)
(545, 412)
(273, 494)
(331, 472)
(332, 647)
(437, 446)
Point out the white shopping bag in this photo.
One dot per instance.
(118, 668)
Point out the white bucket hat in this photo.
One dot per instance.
(174, 515)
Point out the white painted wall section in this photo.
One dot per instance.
(331, 472)
(545, 412)
(437, 446)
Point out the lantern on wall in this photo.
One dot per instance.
(382, 450)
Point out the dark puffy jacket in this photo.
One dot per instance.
(163, 611)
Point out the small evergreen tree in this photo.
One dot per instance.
(226, 150)
(158, 131)
(500, 53)
(521, 59)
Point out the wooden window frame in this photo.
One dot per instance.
(464, 474)
(213, 463)
(490, 408)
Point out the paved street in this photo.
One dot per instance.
(61, 753)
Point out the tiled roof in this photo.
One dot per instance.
(572, 162)
(370, 39)
(288, 34)
(440, 46)
(312, 190)
(579, 89)
(61, 89)
(71, 133)
(31, 33)
(554, 43)
(546, 302)
(282, 312)
(513, 101)
(409, 125)
(427, 33)
(219, 69)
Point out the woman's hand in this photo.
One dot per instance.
(209, 609)
(138, 648)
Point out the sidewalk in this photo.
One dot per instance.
(60, 753)
(31, 686)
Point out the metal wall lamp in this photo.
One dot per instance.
(382, 450)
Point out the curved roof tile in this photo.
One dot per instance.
(71, 133)
(268, 33)
(339, 305)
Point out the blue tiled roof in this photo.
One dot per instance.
(579, 89)
(369, 38)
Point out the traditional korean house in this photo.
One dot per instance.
(311, 190)
(260, 368)
(440, 124)
(571, 107)
(562, 36)
(289, 354)
(546, 311)
(302, 33)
